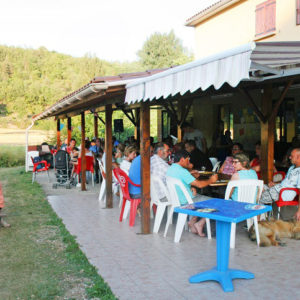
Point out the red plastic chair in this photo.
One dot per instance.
(278, 176)
(45, 167)
(89, 166)
(123, 180)
(281, 202)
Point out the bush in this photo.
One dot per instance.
(12, 156)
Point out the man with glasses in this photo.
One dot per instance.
(179, 170)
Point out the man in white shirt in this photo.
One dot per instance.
(194, 134)
(159, 165)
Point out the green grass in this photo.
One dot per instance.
(39, 259)
(12, 156)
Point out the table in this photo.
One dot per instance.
(220, 183)
(228, 212)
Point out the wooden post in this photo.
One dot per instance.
(108, 153)
(82, 150)
(145, 166)
(96, 126)
(267, 136)
(58, 134)
(180, 108)
(69, 130)
(137, 127)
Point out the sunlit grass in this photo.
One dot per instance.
(12, 156)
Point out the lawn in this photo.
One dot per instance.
(12, 155)
(39, 259)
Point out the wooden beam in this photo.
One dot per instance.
(58, 134)
(145, 167)
(267, 137)
(280, 100)
(252, 103)
(82, 151)
(186, 112)
(137, 133)
(69, 122)
(108, 154)
(129, 116)
(95, 126)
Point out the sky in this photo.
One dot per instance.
(111, 30)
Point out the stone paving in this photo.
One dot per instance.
(140, 266)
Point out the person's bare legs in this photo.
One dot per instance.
(199, 226)
(191, 225)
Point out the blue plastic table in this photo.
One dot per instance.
(228, 212)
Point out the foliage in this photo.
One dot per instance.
(39, 258)
(162, 50)
(12, 156)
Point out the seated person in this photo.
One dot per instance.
(228, 167)
(197, 157)
(179, 170)
(255, 163)
(242, 171)
(292, 179)
(135, 176)
(130, 155)
(119, 155)
(159, 165)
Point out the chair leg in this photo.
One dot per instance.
(170, 216)
(256, 230)
(33, 177)
(121, 197)
(127, 209)
(48, 175)
(278, 215)
(232, 235)
(179, 227)
(158, 217)
(208, 229)
(133, 209)
(102, 197)
(122, 210)
(93, 179)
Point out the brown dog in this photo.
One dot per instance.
(270, 232)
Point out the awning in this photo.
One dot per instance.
(271, 59)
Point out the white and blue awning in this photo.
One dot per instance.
(253, 61)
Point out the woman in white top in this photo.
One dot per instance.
(130, 154)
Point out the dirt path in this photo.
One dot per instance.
(17, 136)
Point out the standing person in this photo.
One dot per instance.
(179, 170)
(241, 165)
(97, 152)
(194, 134)
(220, 143)
(197, 157)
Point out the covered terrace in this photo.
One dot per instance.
(258, 72)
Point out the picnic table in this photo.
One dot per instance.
(227, 212)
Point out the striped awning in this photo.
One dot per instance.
(272, 59)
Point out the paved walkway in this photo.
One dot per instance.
(152, 267)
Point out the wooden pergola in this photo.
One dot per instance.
(105, 94)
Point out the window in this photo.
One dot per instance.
(298, 13)
(265, 22)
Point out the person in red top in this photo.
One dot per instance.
(2, 222)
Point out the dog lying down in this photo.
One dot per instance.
(270, 232)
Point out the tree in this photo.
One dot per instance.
(162, 50)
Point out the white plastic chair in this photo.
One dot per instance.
(29, 155)
(161, 206)
(249, 190)
(102, 193)
(216, 166)
(171, 184)
(213, 161)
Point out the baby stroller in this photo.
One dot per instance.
(62, 169)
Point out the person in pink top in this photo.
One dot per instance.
(227, 167)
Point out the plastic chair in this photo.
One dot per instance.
(31, 154)
(280, 203)
(213, 161)
(161, 206)
(171, 184)
(249, 190)
(123, 180)
(102, 194)
(216, 166)
(45, 167)
(278, 176)
(89, 166)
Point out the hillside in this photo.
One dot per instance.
(31, 80)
